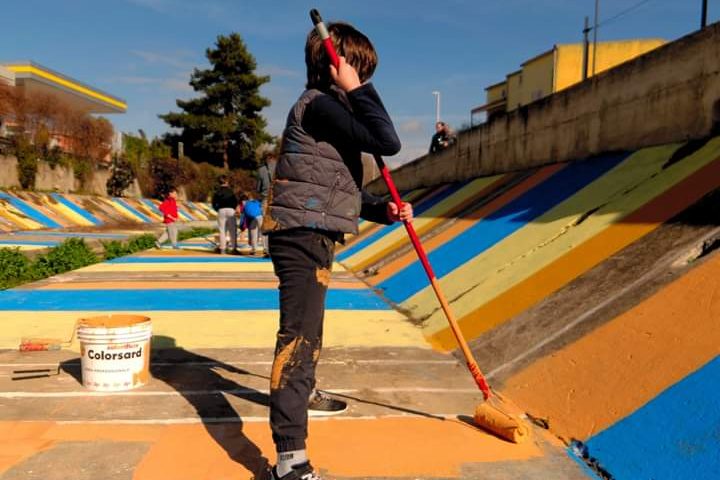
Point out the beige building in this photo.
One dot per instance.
(557, 69)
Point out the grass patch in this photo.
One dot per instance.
(73, 253)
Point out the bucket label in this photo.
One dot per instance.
(115, 367)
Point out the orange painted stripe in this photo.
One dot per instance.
(462, 224)
(424, 448)
(605, 376)
(585, 256)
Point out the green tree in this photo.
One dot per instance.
(222, 124)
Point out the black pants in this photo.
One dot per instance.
(302, 260)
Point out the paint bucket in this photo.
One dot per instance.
(115, 352)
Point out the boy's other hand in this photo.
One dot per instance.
(346, 77)
(404, 214)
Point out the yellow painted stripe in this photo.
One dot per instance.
(67, 84)
(24, 247)
(424, 223)
(17, 218)
(187, 267)
(122, 210)
(594, 241)
(225, 329)
(69, 214)
(553, 234)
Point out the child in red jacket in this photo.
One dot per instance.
(170, 215)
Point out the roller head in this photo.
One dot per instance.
(502, 424)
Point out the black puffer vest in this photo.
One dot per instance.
(312, 188)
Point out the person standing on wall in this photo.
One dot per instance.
(442, 138)
(225, 202)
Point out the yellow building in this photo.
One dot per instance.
(34, 79)
(557, 69)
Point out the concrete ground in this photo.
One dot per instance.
(203, 414)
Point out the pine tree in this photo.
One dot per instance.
(223, 125)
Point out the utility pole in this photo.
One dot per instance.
(437, 105)
(595, 29)
(586, 48)
(703, 19)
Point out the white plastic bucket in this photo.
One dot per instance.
(115, 352)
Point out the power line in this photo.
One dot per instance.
(624, 12)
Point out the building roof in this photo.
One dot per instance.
(495, 85)
(35, 78)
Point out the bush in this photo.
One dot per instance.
(115, 249)
(27, 161)
(142, 242)
(15, 268)
(71, 254)
(121, 178)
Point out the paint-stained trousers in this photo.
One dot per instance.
(302, 260)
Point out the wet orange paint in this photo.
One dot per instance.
(384, 447)
(588, 385)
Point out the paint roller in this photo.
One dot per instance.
(494, 415)
(32, 344)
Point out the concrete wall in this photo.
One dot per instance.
(8, 172)
(60, 179)
(669, 95)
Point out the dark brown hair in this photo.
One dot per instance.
(349, 43)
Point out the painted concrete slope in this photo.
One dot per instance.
(34, 211)
(638, 389)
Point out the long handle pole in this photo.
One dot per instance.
(395, 195)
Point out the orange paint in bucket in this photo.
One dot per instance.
(115, 352)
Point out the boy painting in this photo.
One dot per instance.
(316, 198)
(169, 209)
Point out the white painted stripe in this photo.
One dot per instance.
(239, 391)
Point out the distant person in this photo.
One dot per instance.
(442, 138)
(251, 218)
(225, 202)
(169, 209)
(266, 173)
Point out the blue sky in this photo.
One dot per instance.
(144, 50)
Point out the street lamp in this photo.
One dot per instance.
(437, 105)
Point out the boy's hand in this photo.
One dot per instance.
(346, 77)
(405, 213)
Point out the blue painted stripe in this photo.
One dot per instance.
(48, 243)
(498, 225)
(80, 211)
(73, 234)
(134, 210)
(675, 435)
(31, 212)
(152, 205)
(218, 259)
(174, 300)
(418, 210)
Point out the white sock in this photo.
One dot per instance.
(286, 460)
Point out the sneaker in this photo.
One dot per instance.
(321, 404)
(304, 471)
(158, 246)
